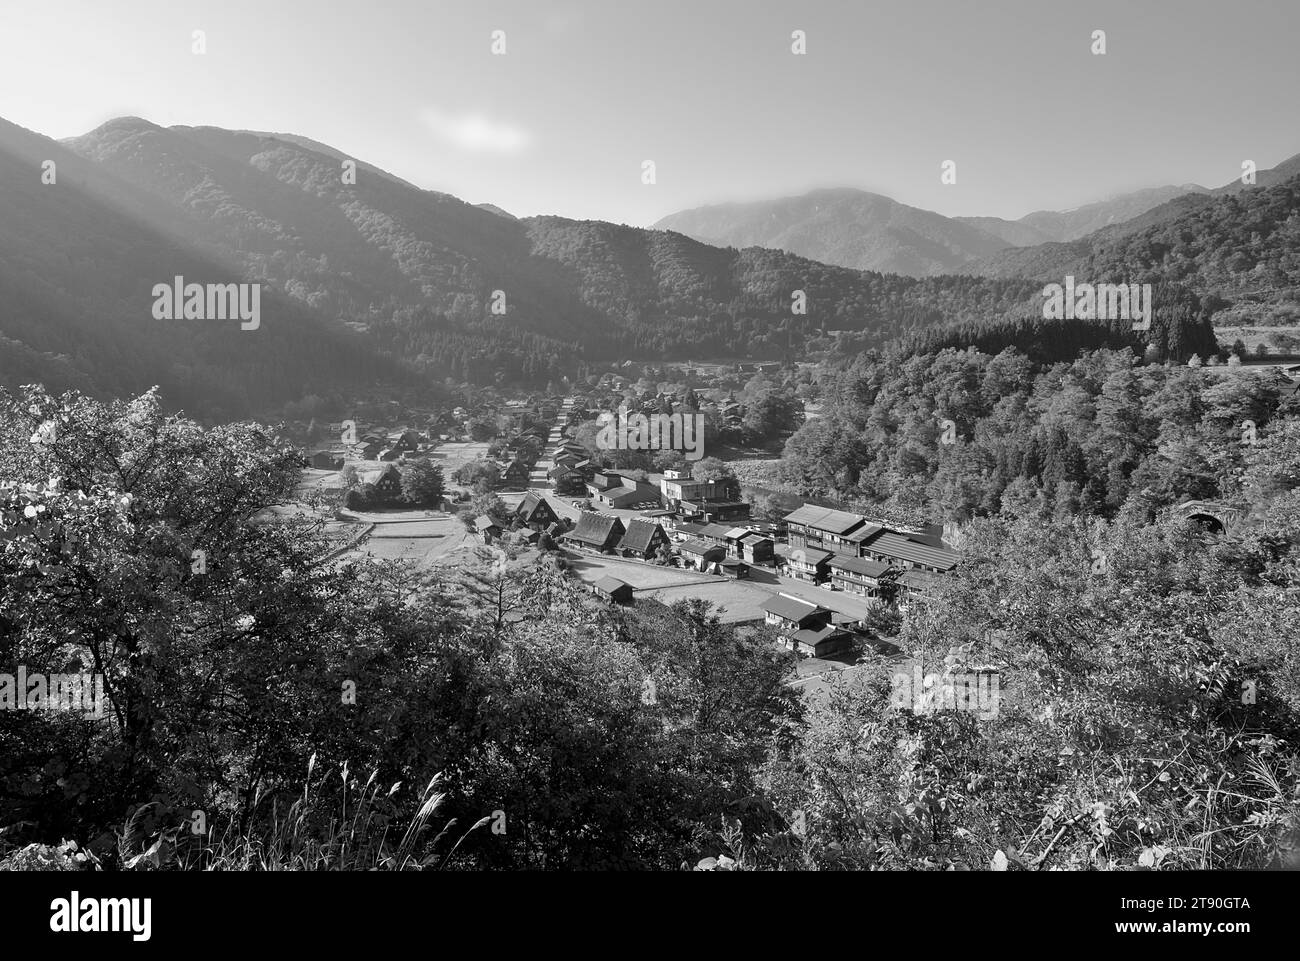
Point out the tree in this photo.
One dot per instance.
(363, 497)
(712, 469)
(422, 482)
(482, 428)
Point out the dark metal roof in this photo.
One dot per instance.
(906, 549)
(793, 610)
(859, 565)
(825, 519)
(696, 546)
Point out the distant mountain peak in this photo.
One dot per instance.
(845, 227)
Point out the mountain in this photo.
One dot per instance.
(844, 227)
(79, 258)
(1014, 232)
(1066, 225)
(375, 280)
(372, 280)
(1055, 259)
(420, 272)
(1063, 226)
(1237, 250)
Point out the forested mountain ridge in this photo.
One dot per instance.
(1234, 244)
(403, 279)
(378, 280)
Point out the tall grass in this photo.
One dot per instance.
(348, 828)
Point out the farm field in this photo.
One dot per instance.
(423, 537)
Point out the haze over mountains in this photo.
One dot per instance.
(867, 231)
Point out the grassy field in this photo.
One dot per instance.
(423, 537)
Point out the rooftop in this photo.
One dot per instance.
(793, 609)
(906, 549)
(825, 519)
(859, 565)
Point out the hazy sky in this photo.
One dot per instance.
(707, 89)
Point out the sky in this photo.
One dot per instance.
(710, 91)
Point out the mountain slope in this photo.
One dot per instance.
(1014, 232)
(380, 281)
(418, 271)
(78, 261)
(1066, 225)
(844, 227)
(1240, 248)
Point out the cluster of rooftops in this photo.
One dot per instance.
(846, 541)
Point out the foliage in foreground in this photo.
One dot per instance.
(571, 735)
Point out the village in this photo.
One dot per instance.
(820, 577)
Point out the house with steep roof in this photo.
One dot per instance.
(596, 532)
(535, 513)
(516, 474)
(643, 539)
(387, 481)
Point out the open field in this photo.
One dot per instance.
(454, 455)
(423, 537)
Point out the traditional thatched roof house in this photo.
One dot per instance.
(535, 512)
(643, 539)
(597, 532)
